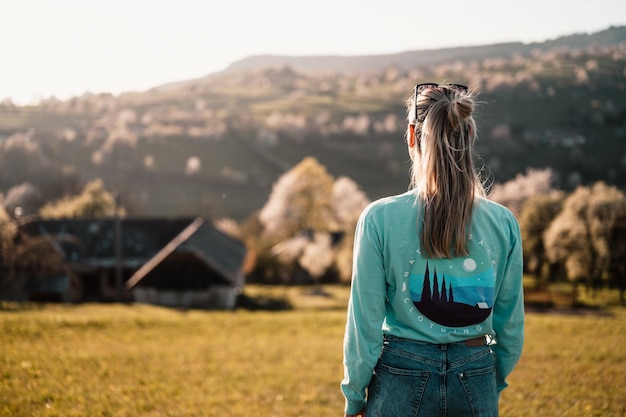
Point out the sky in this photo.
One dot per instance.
(64, 48)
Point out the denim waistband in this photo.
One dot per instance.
(477, 341)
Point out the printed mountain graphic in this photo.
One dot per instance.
(439, 305)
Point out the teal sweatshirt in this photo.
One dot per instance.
(398, 291)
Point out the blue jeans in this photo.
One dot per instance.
(419, 379)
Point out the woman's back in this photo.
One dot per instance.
(436, 280)
(451, 298)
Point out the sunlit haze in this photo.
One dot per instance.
(64, 48)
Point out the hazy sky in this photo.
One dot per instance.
(67, 47)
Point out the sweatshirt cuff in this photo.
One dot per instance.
(353, 407)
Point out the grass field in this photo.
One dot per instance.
(138, 360)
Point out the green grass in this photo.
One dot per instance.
(138, 360)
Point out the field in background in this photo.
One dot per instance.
(138, 360)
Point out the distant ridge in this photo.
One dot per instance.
(363, 63)
(414, 59)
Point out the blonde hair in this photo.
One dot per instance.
(443, 171)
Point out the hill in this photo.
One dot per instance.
(213, 146)
(612, 36)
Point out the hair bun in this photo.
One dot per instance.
(463, 107)
(460, 109)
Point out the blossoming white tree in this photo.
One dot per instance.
(300, 201)
(306, 208)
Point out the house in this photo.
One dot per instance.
(179, 262)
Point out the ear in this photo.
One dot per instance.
(411, 135)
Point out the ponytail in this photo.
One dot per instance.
(443, 172)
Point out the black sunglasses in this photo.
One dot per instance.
(420, 88)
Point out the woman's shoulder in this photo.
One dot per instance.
(494, 206)
(495, 210)
(392, 203)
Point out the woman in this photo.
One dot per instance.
(436, 316)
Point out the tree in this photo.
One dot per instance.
(567, 243)
(536, 216)
(514, 193)
(95, 201)
(607, 203)
(8, 231)
(318, 255)
(22, 158)
(348, 202)
(579, 236)
(617, 267)
(300, 201)
(297, 219)
(24, 198)
(38, 256)
(308, 224)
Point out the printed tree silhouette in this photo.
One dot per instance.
(443, 295)
(440, 306)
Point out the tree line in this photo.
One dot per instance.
(304, 232)
(579, 237)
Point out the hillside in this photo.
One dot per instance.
(213, 146)
(613, 36)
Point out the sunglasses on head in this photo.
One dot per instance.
(420, 88)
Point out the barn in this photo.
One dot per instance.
(176, 262)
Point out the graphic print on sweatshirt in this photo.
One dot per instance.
(456, 292)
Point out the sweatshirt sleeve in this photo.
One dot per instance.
(508, 313)
(366, 312)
